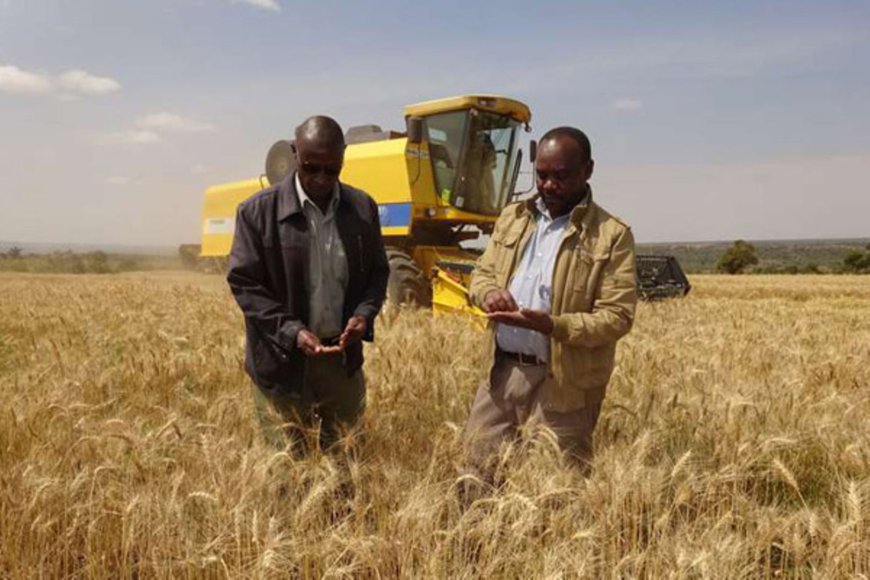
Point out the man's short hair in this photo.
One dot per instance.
(322, 130)
(575, 135)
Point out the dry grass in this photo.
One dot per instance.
(734, 443)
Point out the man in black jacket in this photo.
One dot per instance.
(309, 272)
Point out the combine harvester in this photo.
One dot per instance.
(442, 182)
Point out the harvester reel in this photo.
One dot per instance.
(280, 161)
(407, 283)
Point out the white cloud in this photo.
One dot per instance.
(15, 80)
(626, 104)
(173, 123)
(152, 129)
(73, 83)
(199, 169)
(83, 82)
(122, 181)
(142, 136)
(132, 137)
(117, 180)
(265, 4)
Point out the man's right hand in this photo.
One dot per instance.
(499, 301)
(309, 344)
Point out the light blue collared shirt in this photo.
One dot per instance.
(532, 284)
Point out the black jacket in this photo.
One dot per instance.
(269, 269)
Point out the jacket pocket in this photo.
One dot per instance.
(506, 247)
(587, 368)
(274, 367)
(266, 361)
(587, 278)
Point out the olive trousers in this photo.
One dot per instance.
(326, 411)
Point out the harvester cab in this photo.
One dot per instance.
(465, 162)
(473, 146)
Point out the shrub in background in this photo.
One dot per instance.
(737, 258)
(857, 261)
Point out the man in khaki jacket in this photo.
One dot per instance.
(558, 281)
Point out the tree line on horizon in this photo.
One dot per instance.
(69, 262)
(741, 257)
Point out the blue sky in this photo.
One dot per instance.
(709, 120)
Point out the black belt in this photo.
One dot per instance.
(522, 358)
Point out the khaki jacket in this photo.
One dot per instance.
(593, 299)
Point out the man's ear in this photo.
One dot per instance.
(590, 168)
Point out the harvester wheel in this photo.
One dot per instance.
(407, 284)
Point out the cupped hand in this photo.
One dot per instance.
(525, 318)
(499, 301)
(309, 344)
(353, 332)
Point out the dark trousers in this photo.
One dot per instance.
(329, 399)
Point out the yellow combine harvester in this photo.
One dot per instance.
(442, 182)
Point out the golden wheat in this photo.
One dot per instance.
(734, 443)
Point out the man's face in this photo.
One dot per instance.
(319, 167)
(561, 173)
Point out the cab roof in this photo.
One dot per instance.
(493, 103)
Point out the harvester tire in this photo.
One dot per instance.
(407, 284)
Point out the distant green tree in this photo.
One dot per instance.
(128, 264)
(14, 252)
(857, 261)
(739, 256)
(97, 263)
(64, 262)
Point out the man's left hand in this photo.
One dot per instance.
(525, 318)
(353, 332)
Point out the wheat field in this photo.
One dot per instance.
(734, 443)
